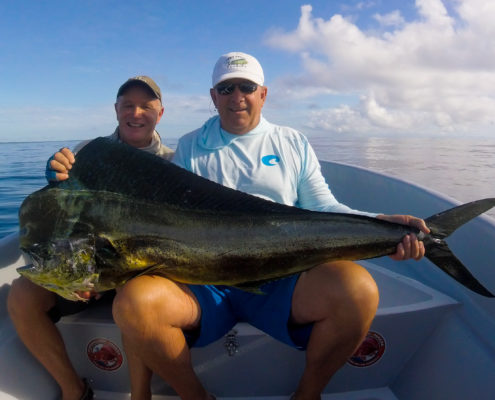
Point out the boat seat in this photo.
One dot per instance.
(94, 345)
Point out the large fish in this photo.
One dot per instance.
(124, 212)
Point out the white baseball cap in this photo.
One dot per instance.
(237, 65)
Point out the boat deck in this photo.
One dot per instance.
(369, 394)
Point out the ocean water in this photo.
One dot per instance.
(462, 168)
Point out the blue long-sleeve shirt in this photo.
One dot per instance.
(273, 162)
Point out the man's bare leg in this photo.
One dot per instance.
(140, 375)
(28, 305)
(341, 298)
(151, 312)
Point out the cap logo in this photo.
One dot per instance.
(236, 62)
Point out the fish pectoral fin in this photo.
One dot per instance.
(149, 270)
(251, 287)
(255, 286)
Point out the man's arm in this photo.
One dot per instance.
(315, 194)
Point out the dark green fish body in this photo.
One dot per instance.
(124, 212)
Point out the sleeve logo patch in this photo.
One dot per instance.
(270, 160)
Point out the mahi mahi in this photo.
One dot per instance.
(124, 212)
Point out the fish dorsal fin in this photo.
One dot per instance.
(106, 165)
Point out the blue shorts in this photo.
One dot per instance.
(223, 306)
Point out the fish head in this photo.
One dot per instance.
(65, 266)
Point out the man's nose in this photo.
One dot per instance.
(137, 111)
(237, 94)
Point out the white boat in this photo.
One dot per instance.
(431, 339)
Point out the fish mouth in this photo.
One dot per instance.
(27, 269)
(64, 289)
(66, 267)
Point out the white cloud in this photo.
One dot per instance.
(362, 5)
(435, 73)
(391, 19)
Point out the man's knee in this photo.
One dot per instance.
(340, 287)
(25, 298)
(150, 301)
(130, 303)
(354, 285)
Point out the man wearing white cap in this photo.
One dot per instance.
(326, 311)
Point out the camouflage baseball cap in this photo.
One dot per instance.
(142, 80)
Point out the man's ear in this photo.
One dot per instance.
(160, 114)
(213, 95)
(264, 92)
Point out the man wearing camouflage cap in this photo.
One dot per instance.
(139, 109)
(35, 310)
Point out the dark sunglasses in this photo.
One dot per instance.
(228, 88)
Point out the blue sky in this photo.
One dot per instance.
(376, 67)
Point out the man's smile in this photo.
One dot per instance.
(236, 110)
(134, 125)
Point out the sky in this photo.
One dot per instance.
(371, 67)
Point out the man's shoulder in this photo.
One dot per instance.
(80, 145)
(288, 133)
(191, 134)
(165, 152)
(189, 137)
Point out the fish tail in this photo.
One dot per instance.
(441, 226)
(444, 223)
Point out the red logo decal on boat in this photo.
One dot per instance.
(370, 351)
(104, 354)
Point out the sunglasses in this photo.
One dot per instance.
(228, 88)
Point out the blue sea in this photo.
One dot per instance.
(462, 168)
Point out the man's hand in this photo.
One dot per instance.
(410, 247)
(59, 165)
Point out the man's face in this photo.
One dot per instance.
(138, 112)
(239, 112)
